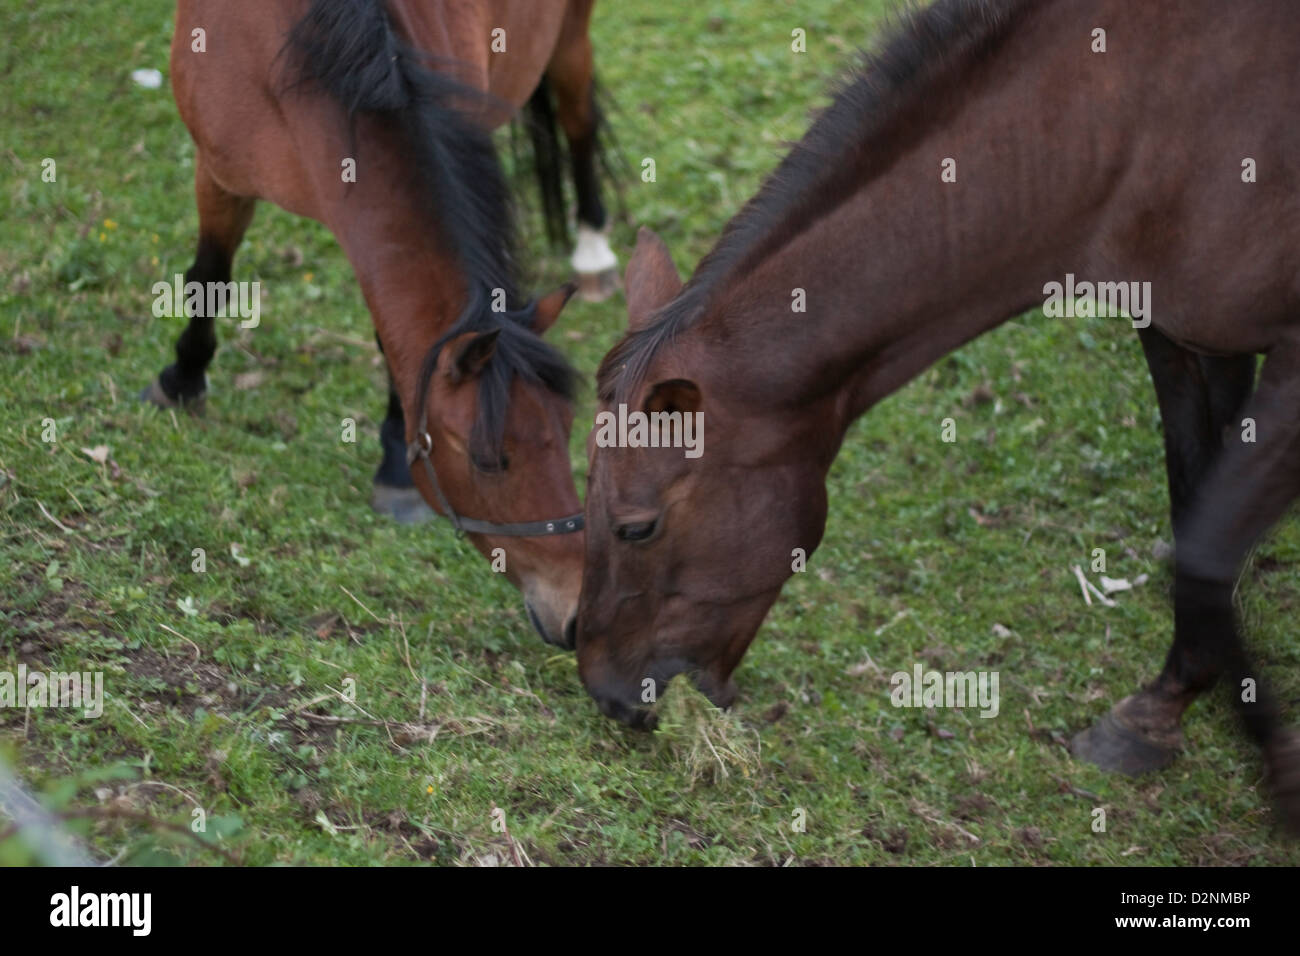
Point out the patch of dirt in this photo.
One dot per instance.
(421, 844)
(192, 683)
(1030, 837)
(776, 712)
(973, 806)
(57, 619)
(891, 841)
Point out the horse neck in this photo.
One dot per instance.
(415, 285)
(414, 288)
(906, 267)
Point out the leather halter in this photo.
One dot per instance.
(422, 448)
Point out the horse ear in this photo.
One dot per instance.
(673, 395)
(469, 353)
(550, 306)
(651, 279)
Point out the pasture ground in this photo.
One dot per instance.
(956, 556)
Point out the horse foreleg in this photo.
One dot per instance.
(393, 492)
(223, 220)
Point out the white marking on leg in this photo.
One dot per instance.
(593, 254)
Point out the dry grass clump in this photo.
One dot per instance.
(704, 742)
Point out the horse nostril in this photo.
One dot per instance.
(571, 633)
(638, 718)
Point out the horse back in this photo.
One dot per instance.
(260, 132)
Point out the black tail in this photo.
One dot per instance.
(610, 159)
(551, 158)
(548, 161)
(349, 49)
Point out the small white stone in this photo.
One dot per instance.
(149, 79)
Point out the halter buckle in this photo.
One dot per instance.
(422, 447)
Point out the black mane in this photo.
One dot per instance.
(348, 49)
(821, 170)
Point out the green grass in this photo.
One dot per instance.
(208, 675)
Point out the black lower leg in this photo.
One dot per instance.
(185, 379)
(393, 469)
(1208, 645)
(584, 151)
(394, 493)
(1202, 615)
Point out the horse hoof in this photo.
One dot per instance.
(1116, 744)
(1282, 761)
(597, 286)
(595, 264)
(403, 505)
(153, 394)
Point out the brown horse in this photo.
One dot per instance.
(375, 119)
(988, 151)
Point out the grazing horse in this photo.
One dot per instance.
(375, 119)
(987, 151)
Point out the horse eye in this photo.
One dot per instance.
(635, 531)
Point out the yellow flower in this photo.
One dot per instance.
(430, 789)
(307, 276)
(153, 261)
(110, 224)
(102, 237)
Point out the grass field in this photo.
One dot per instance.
(956, 556)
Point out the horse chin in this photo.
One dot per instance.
(560, 637)
(720, 693)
